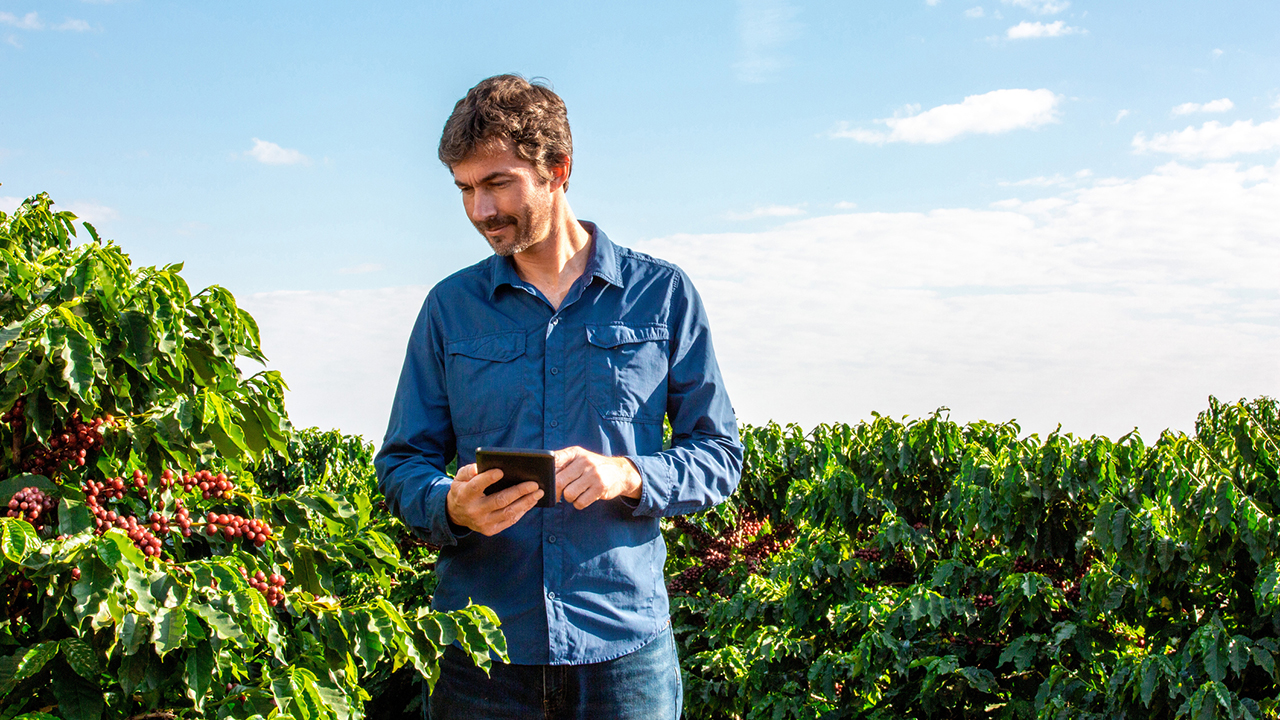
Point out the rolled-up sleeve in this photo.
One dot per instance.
(420, 442)
(704, 463)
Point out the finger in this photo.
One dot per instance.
(578, 487)
(511, 514)
(567, 455)
(465, 473)
(567, 475)
(588, 496)
(477, 484)
(511, 495)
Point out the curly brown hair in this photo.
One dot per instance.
(509, 108)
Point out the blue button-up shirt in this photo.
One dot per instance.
(492, 363)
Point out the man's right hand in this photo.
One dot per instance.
(469, 507)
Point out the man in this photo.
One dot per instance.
(564, 341)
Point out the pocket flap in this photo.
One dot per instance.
(499, 347)
(608, 336)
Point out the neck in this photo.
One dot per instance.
(554, 263)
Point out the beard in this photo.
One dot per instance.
(530, 228)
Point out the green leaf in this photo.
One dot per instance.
(1238, 653)
(304, 569)
(18, 540)
(11, 332)
(78, 699)
(200, 669)
(125, 547)
(1264, 660)
(131, 632)
(979, 679)
(170, 629)
(1021, 651)
(79, 369)
(330, 506)
(90, 591)
(334, 700)
(81, 658)
(25, 663)
(222, 624)
(1151, 672)
(1120, 528)
(73, 516)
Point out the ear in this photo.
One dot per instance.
(560, 175)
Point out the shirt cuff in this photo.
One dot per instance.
(443, 530)
(656, 482)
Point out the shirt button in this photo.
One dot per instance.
(551, 538)
(555, 423)
(555, 371)
(551, 595)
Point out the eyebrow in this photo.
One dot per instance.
(485, 179)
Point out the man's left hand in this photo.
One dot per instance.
(583, 477)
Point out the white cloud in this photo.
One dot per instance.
(846, 205)
(1043, 7)
(272, 154)
(764, 28)
(1120, 116)
(361, 269)
(30, 21)
(1026, 30)
(73, 25)
(932, 3)
(766, 211)
(1056, 180)
(974, 12)
(1215, 106)
(1041, 181)
(1102, 308)
(9, 204)
(339, 351)
(12, 40)
(991, 113)
(1217, 53)
(1213, 140)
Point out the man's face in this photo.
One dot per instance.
(505, 199)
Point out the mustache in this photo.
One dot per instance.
(496, 222)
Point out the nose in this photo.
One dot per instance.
(482, 206)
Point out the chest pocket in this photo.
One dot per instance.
(486, 381)
(627, 371)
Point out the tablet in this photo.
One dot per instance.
(520, 465)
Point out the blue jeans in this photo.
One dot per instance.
(643, 685)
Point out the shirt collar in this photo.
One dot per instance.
(601, 263)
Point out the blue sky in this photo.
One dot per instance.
(1037, 209)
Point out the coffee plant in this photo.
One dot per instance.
(172, 547)
(927, 569)
(147, 572)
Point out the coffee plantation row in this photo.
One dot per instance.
(184, 552)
